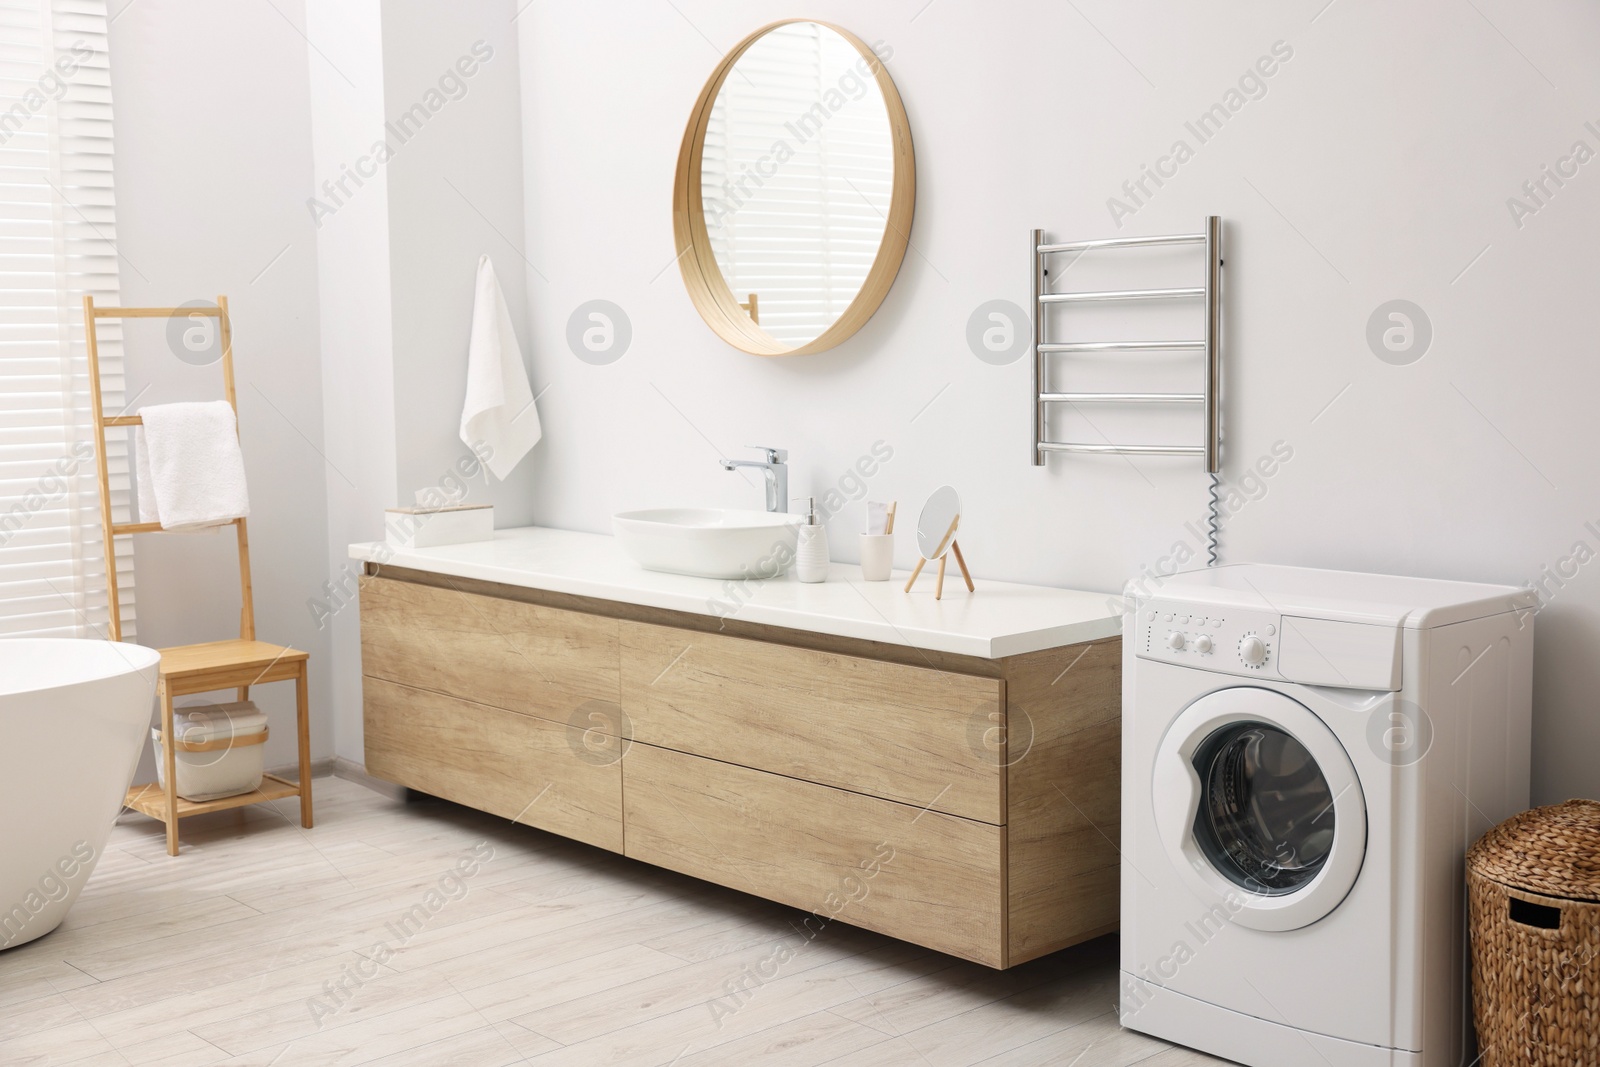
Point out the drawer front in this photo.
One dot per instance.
(932, 879)
(910, 734)
(522, 657)
(527, 769)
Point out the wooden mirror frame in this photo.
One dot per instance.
(708, 289)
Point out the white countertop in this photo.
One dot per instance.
(1000, 619)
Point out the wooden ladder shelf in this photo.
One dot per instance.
(203, 668)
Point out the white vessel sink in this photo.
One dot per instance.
(709, 542)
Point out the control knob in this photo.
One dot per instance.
(1253, 651)
(1175, 641)
(1202, 644)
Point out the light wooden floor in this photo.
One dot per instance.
(550, 953)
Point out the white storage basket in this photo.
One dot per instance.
(219, 750)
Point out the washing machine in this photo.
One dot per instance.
(1307, 755)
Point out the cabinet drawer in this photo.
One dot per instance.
(529, 770)
(910, 734)
(932, 879)
(514, 655)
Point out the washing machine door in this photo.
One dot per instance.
(1259, 808)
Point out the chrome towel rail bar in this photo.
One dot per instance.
(1124, 242)
(1119, 346)
(1134, 450)
(1120, 294)
(1122, 398)
(1209, 344)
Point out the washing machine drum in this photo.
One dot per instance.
(1266, 818)
(1259, 808)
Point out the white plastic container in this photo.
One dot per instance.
(220, 750)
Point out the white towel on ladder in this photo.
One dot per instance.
(190, 469)
(499, 411)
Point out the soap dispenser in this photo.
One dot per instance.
(811, 553)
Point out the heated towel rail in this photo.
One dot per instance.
(1209, 345)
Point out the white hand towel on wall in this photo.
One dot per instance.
(499, 409)
(190, 469)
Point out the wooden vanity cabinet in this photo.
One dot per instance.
(966, 804)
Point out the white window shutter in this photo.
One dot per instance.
(57, 243)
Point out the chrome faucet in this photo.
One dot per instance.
(776, 469)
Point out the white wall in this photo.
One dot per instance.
(398, 246)
(213, 161)
(1376, 166)
(346, 80)
(455, 193)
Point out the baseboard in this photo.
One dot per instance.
(320, 768)
(352, 771)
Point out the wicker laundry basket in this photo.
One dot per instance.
(1533, 886)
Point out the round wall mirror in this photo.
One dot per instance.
(794, 192)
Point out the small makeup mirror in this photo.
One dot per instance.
(936, 537)
(936, 526)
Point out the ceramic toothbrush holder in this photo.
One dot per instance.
(877, 557)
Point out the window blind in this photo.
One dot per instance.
(57, 243)
(796, 198)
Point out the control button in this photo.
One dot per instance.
(1183, 620)
(1175, 641)
(1253, 651)
(1149, 616)
(1216, 624)
(1202, 644)
(1167, 617)
(1269, 629)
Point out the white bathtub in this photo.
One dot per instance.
(73, 717)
